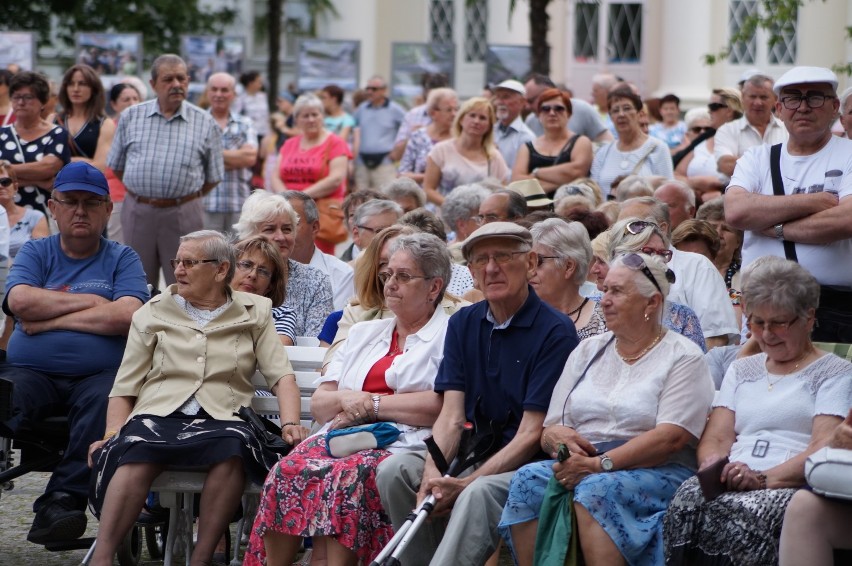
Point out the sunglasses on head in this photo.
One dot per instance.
(639, 226)
(636, 263)
(6, 181)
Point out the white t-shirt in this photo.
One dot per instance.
(699, 286)
(828, 169)
(782, 416)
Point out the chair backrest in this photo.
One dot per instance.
(842, 350)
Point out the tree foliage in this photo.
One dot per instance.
(161, 22)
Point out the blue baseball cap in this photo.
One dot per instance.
(80, 176)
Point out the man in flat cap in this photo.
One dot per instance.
(502, 358)
(793, 199)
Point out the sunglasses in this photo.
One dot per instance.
(6, 181)
(547, 109)
(636, 263)
(639, 226)
(713, 106)
(699, 129)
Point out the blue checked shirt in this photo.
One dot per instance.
(231, 193)
(167, 158)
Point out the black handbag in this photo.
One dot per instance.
(373, 160)
(266, 431)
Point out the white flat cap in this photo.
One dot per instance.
(804, 75)
(513, 85)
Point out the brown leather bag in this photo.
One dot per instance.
(332, 228)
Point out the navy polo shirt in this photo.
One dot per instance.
(506, 370)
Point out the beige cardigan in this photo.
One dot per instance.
(168, 357)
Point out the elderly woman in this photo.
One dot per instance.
(629, 407)
(406, 193)
(469, 156)
(166, 409)
(384, 373)
(773, 410)
(564, 253)
(559, 156)
(308, 290)
(442, 104)
(24, 223)
(260, 271)
(36, 148)
(316, 162)
(635, 152)
(83, 116)
(697, 236)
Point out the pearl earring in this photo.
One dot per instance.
(646, 317)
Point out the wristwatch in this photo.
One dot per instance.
(534, 173)
(606, 463)
(376, 399)
(779, 231)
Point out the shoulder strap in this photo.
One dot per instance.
(778, 190)
(597, 355)
(566, 150)
(642, 159)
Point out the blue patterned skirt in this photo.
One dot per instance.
(628, 504)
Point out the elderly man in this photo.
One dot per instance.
(805, 215)
(503, 205)
(681, 200)
(223, 204)
(502, 357)
(350, 205)
(699, 285)
(459, 212)
(758, 125)
(377, 121)
(305, 251)
(72, 295)
(510, 132)
(371, 218)
(584, 119)
(168, 153)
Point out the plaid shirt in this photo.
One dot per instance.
(167, 157)
(231, 193)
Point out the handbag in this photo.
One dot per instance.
(828, 470)
(267, 433)
(347, 441)
(373, 160)
(332, 228)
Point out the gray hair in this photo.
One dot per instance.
(568, 240)
(215, 245)
(694, 114)
(307, 100)
(167, 59)
(685, 190)
(658, 210)
(844, 98)
(713, 210)
(309, 204)
(581, 190)
(462, 203)
(633, 186)
(375, 207)
(437, 95)
(430, 254)
(517, 207)
(622, 242)
(262, 206)
(403, 187)
(658, 269)
(760, 80)
(781, 284)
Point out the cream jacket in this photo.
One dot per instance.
(168, 357)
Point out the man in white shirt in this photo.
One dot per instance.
(809, 222)
(758, 125)
(699, 284)
(510, 132)
(305, 251)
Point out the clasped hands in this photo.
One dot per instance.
(582, 456)
(356, 409)
(738, 476)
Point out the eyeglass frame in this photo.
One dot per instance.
(806, 99)
(540, 258)
(643, 267)
(507, 257)
(247, 266)
(368, 229)
(556, 109)
(89, 204)
(190, 263)
(480, 218)
(777, 328)
(402, 277)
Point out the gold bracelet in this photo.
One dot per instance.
(110, 434)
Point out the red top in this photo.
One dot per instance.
(299, 169)
(117, 190)
(6, 119)
(375, 381)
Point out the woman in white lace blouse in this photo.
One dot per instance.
(773, 410)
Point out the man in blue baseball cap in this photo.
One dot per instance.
(72, 295)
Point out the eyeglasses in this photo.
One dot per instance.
(813, 100)
(248, 266)
(368, 229)
(500, 258)
(373, 88)
(487, 218)
(450, 109)
(639, 226)
(622, 110)
(23, 98)
(547, 109)
(190, 263)
(88, 204)
(636, 263)
(699, 129)
(6, 181)
(713, 106)
(542, 258)
(665, 254)
(402, 277)
(775, 327)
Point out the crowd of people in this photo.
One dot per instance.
(627, 298)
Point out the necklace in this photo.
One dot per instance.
(771, 384)
(640, 354)
(578, 310)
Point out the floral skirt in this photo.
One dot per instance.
(742, 528)
(309, 493)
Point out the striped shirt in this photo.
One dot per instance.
(167, 157)
(231, 193)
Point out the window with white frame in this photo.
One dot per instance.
(476, 30)
(441, 21)
(750, 51)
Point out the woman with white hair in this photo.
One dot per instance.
(316, 163)
(698, 166)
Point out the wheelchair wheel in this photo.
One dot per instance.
(130, 551)
(155, 540)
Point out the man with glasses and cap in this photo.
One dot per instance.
(793, 199)
(72, 295)
(502, 358)
(377, 120)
